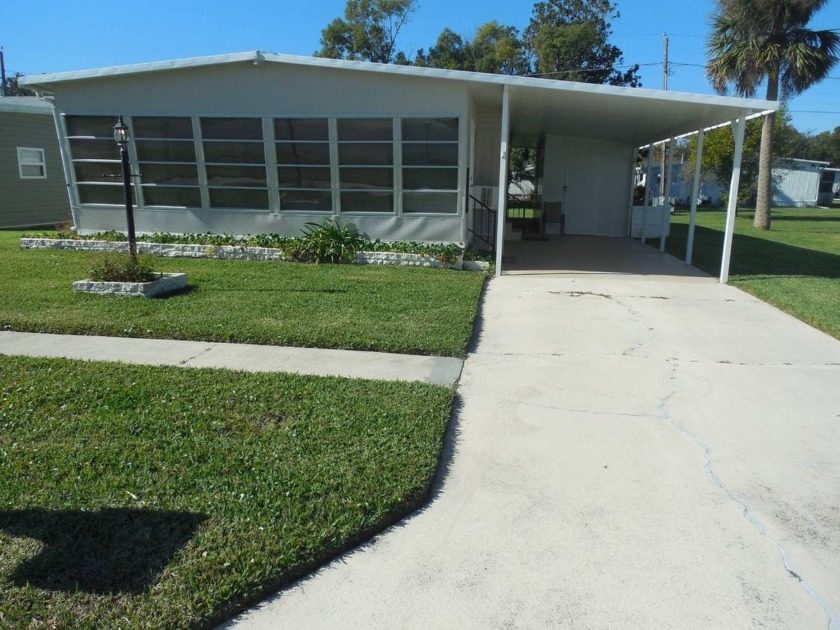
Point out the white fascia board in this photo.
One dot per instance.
(804, 161)
(750, 105)
(139, 68)
(25, 105)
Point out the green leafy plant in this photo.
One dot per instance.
(330, 242)
(295, 248)
(123, 268)
(447, 253)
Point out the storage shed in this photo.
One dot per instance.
(32, 185)
(263, 143)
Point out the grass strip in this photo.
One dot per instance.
(388, 309)
(159, 497)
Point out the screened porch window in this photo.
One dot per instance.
(234, 159)
(166, 161)
(95, 158)
(430, 165)
(302, 146)
(366, 164)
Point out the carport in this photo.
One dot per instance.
(591, 136)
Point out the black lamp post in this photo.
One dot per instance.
(121, 136)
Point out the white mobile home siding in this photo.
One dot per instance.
(270, 91)
(796, 184)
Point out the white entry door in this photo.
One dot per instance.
(581, 196)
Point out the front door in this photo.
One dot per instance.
(581, 196)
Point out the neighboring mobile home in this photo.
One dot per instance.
(264, 143)
(32, 184)
(802, 183)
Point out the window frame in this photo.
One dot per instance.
(22, 162)
(457, 167)
(204, 141)
(452, 160)
(113, 159)
(149, 186)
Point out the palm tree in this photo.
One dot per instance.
(754, 41)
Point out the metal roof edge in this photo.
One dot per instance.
(750, 105)
(138, 68)
(25, 105)
(803, 161)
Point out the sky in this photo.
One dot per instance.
(61, 35)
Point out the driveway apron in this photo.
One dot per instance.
(628, 451)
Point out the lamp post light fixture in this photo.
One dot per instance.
(121, 135)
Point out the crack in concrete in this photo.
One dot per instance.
(194, 357)
(590, 412)
(607, 295)
(636, 318)
(746, 510)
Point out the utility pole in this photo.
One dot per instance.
(2, 73)
(664, 87)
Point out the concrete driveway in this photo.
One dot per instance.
(649, 450)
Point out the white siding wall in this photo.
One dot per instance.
(269, 90)
(796, 187)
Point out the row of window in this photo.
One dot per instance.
(308, 164)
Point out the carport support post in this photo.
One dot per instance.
(695, 192)
(732, 202)
(666, 209)
(648, 184)
(501, 213)
(634, 159)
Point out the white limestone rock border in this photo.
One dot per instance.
(167, 283)
(237, 252)
(167, 250)
(400, 259)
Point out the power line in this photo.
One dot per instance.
(632, 65)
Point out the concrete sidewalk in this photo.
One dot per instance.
(237, 356)
(630, 451)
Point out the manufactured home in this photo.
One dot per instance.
(264, 143)
(802, 183)
(32, 184)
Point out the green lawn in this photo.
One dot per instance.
(406, 310)
(161, 497)
(794, 266)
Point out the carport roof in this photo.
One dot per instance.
(633, 116)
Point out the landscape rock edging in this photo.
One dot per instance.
(168, 283)
(229, 252)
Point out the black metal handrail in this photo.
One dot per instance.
(483, 222)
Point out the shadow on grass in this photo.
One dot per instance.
(104, 552)
(805, 217)
(753, 256)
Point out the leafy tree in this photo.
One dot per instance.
(368, 31)
(495, 49)
(719, 153)
(569, 40)
(449, 53)
(825, 146)
(13, 89)
(758, 41)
